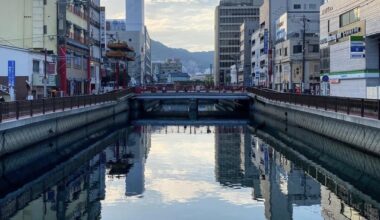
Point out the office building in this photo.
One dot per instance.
(229, 15)
(296, 48)
(350, 48)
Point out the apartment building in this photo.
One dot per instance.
(259, 57)
(350, 48)
(229, 15)
(95, 44)
(61, 27)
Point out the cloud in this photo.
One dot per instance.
(185, 24)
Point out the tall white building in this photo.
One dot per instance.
(350, 48)
(229, 15)
(135, 15)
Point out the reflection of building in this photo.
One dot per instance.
(227, 155)
(282, 185)
(77, 196)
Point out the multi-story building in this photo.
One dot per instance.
(259, 57)
(350, 48)
(229, 15)
(103, 41)
(140, 69)
(162, 69)
(296, 48)
(95, 44)
(265, 38)
(60, 27)
(73, 47)
(246, 31)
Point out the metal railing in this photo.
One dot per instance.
(26, 108)
(369, 108)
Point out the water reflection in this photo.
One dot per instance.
(188, 172)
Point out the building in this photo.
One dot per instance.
(178, 77)
(61, 27)
(234, 77)
(259, 57)
(29, 72)
(95, 44)
(264, 39)
(245, 67)
(229, 15)
(169, 66)
(296, 48)
(139, 70)
(350, 48)
(161, 69)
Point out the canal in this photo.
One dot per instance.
(204, 170)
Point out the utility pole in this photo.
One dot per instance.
(303, 53)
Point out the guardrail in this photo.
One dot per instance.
(369, 108)
(26, 108)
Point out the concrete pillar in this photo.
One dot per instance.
(193, 109)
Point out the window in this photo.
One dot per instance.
(328, 26)
(45, 29)
(36, 66)
(297, 6)
(297, 49)
(77, 62)
(349, 17)
(68, 60)
(286, 51)
(314, 48)
(312, 6)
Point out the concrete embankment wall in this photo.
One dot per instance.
(360, 133)
(16, 135)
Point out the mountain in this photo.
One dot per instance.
(193, 62)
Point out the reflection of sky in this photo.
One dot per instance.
(180, 184)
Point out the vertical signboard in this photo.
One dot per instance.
(357, 47)
(11, 73)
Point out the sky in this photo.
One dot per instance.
(187, 24)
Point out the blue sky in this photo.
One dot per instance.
(187, 24)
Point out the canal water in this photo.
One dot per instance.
(229, 171)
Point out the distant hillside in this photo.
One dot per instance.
(192, 61)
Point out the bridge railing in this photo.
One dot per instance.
(30, 108)
(369, 108)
